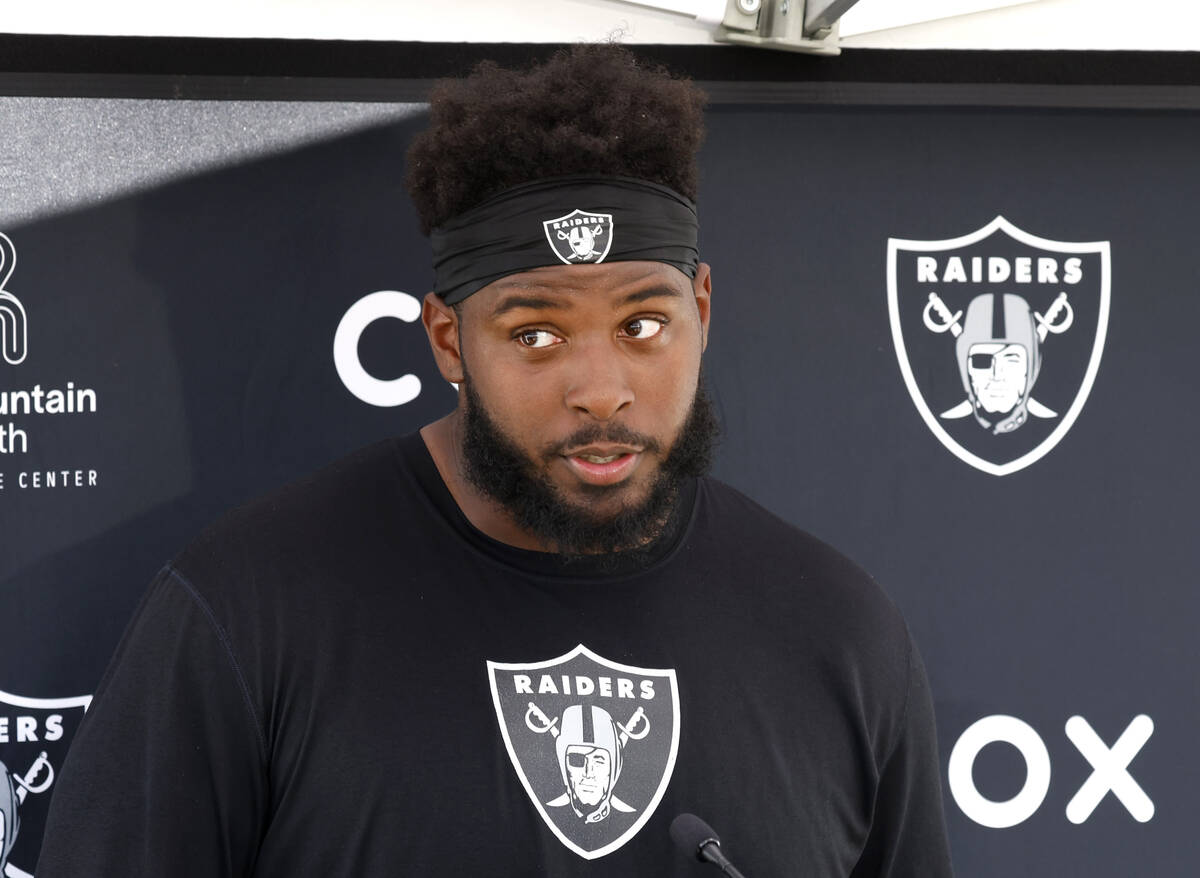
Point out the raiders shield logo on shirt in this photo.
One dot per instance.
(580, 236)
(592, 741)
(999, 335)
(34, 735)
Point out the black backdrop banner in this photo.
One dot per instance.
(890, 284)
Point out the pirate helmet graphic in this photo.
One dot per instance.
(583, 240)
(999, 359)
(589, 757)
(9, 822)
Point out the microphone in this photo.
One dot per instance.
(696, 839)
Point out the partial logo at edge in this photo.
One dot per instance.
(34, 736)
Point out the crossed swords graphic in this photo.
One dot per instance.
(26, 785)
(551, 725)
(1050, 323)
(628, 733)
(1046, 325)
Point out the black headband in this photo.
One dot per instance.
(563, 220)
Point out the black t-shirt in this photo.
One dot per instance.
(348, 679)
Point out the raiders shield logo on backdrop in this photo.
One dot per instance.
(34, 734)
(999, 335)
(592, 741)
(580, 236)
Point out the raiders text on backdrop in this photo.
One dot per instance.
(999, 270)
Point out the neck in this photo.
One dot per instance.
(443, 438)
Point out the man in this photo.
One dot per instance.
(523, 640)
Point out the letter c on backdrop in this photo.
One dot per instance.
(360, 315)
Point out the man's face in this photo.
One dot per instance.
(589, 373)
(998, 373)
(589, 771)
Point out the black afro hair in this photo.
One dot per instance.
(589, 109)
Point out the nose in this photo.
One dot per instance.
(599, 383)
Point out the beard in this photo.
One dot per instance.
(497, 467)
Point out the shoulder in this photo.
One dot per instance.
(322, 515)
(765, 539)
(831, 629)
(803, 580)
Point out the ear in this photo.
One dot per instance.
(441, 325)
(702, 288)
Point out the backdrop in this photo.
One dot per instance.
(954, 343)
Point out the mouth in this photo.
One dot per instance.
(603, 465)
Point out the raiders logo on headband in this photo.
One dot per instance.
(580, 236)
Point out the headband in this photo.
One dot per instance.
(563, 220)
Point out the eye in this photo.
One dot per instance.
(537, 338)
(644, 327)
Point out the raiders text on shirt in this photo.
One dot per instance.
(523, 683)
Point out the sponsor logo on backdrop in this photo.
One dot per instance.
(999, 335)
(1110, 770)
(593, 743)
(580, 236)
(385, 393)
(22, 402)
(34, 734)
(14, 333)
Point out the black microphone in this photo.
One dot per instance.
(696, 839)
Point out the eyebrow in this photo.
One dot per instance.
(650, 293)
(512, 303)
(536, 302)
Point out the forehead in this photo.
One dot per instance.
(607, 285)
